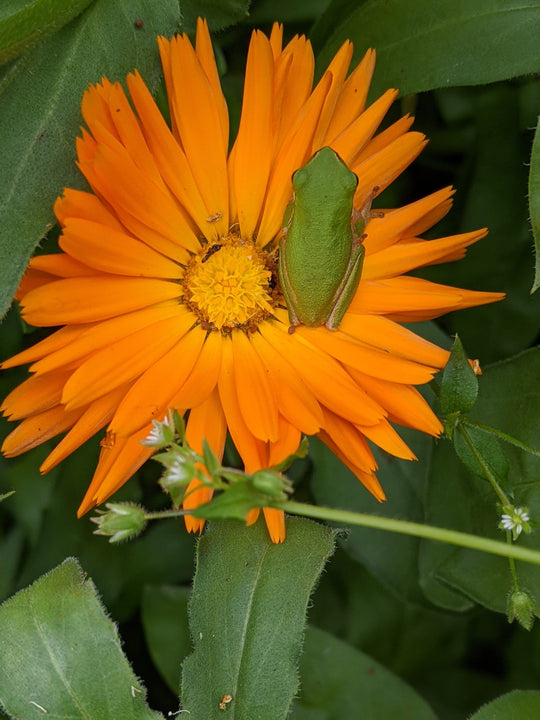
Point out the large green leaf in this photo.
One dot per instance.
(492, 192)
(23, 23)
(534, 200)
(517, 705)
(219, 13)
(337, 680)
(61, 655)
(509, 400)
(425, 44)
(40, 95)
(247, 618)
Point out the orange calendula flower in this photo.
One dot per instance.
(167, 293)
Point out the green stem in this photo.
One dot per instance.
(489, 475)
(162, 514)
(404, 527)
(507, 438)
(511, 561)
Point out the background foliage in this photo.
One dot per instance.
(395, 623)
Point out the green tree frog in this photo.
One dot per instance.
(321, 252)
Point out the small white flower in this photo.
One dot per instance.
(515, 519)
(161, 433)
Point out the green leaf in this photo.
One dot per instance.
(487, 456)
(23, 23)
(509, 399)
(517, 705)
(459, 388)
(40, 98)
(391, 558)
(493, 191)
(247, 617)
(425, 45)
(219, 13)
(337, 680)
(164, 614)
(534, 201)
(234, 503)
(61, 655)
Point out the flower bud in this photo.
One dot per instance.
(120, 521)
(179, 473)
(161, 434)
(270, 483)
(521, 607)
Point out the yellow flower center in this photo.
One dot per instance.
(230, 284)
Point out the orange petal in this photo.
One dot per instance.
(324, 376)
(406, 221)
(275, 522)
(369, 360)
(105, 249)
(157, 385)
(116, 466)
(255, 394)
(352, 99)
(380, 332)
(338, 70)
(87, 299)
(88, 339)
(114, 175)
(205, 421)
(384, 435)
(34, 395)
(249, 178)
(197, 114)
(352, 140)
(409, 298)
(287, 443)
(78, 203)
(59, 339)
(204, 376)
(36, 429)
(405, 256)
(294, 153)
(59, 264)
(169, 156)
(368, 479)
(405, 405)
(197, 493)
(123, 361)
(95, 417)
(293, 80)
(253, 451)
(205, 54)
(381, 169)
(352, 442)
(295, 401)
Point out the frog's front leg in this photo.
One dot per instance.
(363, 215)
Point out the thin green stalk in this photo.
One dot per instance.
(489, 475)
(404, 527)
(507, 438)
(163, 514)
(511, 561)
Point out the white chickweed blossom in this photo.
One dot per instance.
(161, 434)
(515, 519)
